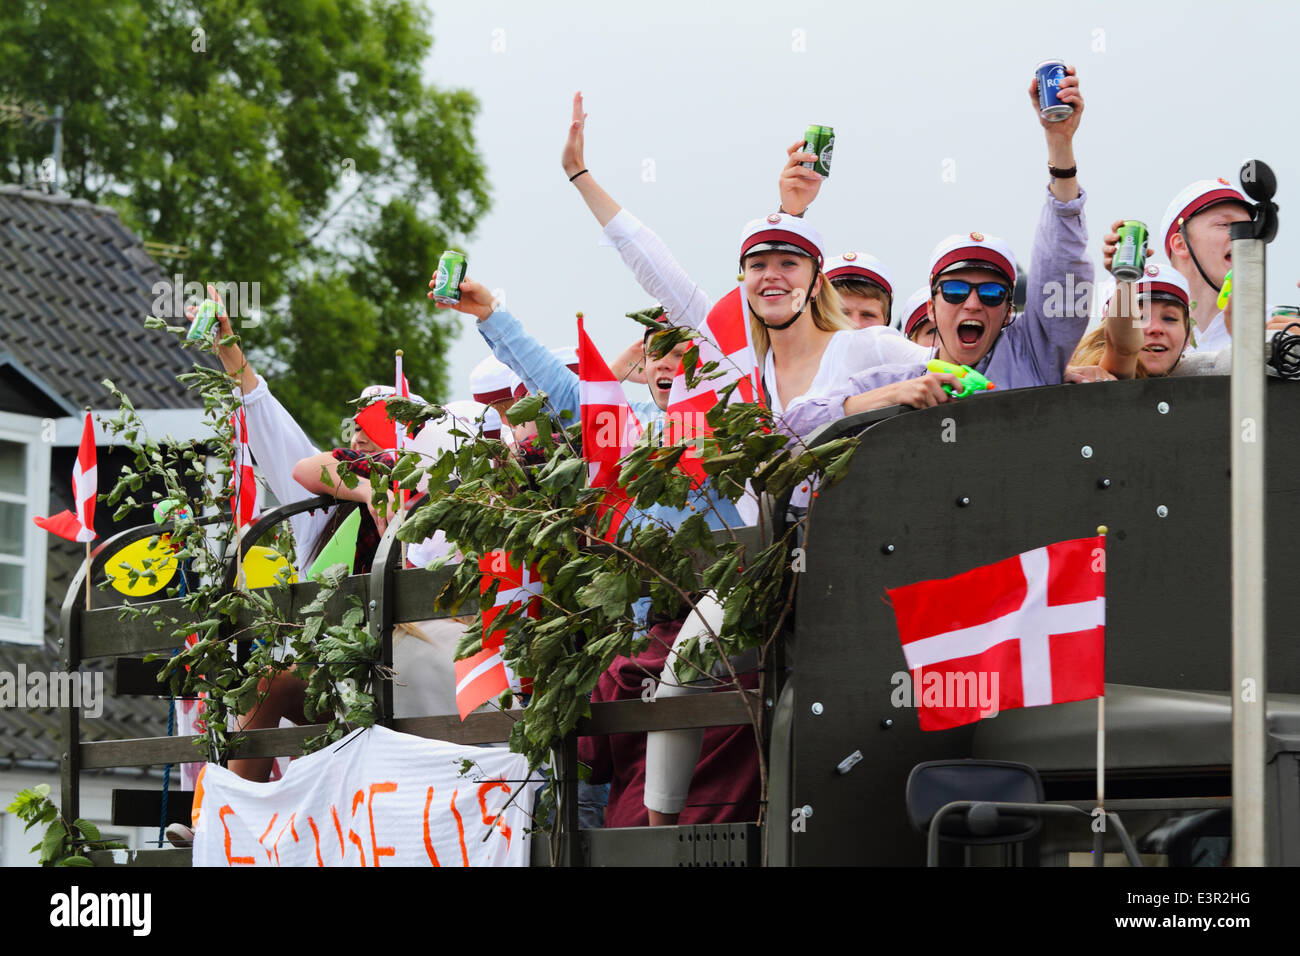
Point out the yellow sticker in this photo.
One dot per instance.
(155, 565)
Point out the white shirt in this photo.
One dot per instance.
(847, 352)
(1214, 339)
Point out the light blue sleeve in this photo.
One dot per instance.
(531, 361)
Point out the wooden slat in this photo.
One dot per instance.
(673, 713)
(172, 856)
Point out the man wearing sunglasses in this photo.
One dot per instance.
(972, 278)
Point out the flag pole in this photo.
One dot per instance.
(1099, 838)
(87, 560)
(399, 431)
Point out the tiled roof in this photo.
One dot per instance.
(75, 286)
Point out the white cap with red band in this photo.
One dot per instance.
(781, 231)
(1193, 199)
(569, 356)
(975, 250)
(1164, 281)
(915, 311)
(492, 381)
(859, 265)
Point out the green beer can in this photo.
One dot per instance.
(205, 321)
(820, 140)
(1131, 253)
(451, 273)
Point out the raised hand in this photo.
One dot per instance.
(475, 299)
(571, 157)
(1068, 93)
(798, 184)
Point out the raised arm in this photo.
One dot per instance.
(1060, 271)
(798, 184)
(533, 362)
(1123, 335)
(600, 203)
(653, 265)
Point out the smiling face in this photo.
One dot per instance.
(966, 331)
(1164, 334)
(1208, 231)
(776, 284)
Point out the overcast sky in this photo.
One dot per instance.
(692, 106)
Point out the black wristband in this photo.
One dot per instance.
(1063, 173)
(576, 175)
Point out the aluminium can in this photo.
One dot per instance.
(820, 140)
(205, 322)
(1050, 74)
(451, 273)
(1131, 253)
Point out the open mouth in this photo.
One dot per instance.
(969, 331)
(664, 384)
(773, 293)
(1158, 349)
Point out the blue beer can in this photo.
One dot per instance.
(1050, 74)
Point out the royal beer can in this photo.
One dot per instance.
(820, 140)
(451, 273)
(205, 320)
(1050, 74)
(1131, 253)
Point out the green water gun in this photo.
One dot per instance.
(1226, 293)
(971, 380)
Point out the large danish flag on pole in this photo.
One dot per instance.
(85, 486)
(609, 430)
(485, 674)
(1036, 620)
(725, 340)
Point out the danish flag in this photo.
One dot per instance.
(726, 340)
(85, 485)
(1036, 620)
(609, 430)
(485, 674)
(243, 503)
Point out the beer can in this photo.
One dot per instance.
(451, 273)
(1050, 73)
(820, 140)
(205, 321)
(1131, 253)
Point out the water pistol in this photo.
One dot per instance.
(971, 380)
(1226, 293)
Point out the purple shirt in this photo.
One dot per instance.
(1032, 350)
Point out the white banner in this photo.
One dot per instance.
(375, 798)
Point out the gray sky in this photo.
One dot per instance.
(692, 106)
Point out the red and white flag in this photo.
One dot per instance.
(609, 430)
(243, 503)
(485, 675)
(1034, 622)
(726, 340)
(85, 486)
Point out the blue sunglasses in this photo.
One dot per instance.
(956, 291)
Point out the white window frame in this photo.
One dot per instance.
(32, 432)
